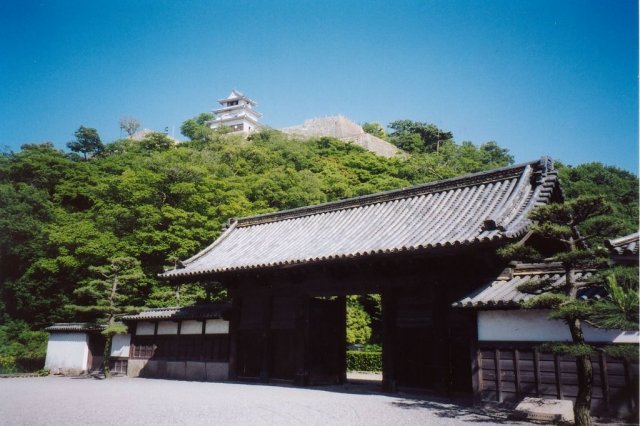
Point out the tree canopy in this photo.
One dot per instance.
(417, 136)
(87, 142)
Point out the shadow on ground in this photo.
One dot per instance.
(457, 410)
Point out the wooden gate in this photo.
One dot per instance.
(327, 346)
(96, 351)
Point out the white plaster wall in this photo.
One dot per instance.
(191, 327)
(120, 345)
(216, 326)
(144, 328)
(167, 327)
(67, 350)
(534, 326)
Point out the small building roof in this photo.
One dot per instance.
(74, 327)
(236, 95)
(504, 293)
(200, 312)
(625, 246)
(478, 208)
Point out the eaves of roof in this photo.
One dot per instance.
(199, 312)
(626, 246)
(74, 327)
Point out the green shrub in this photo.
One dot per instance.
(364, 361)
(8, 364)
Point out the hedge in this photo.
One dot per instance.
(12, 365)
(364, 361)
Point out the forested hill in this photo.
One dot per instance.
(62, 215)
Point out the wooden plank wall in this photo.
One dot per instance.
(508, 373)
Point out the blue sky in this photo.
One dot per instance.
(555, 78)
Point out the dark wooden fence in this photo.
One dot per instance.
(510, 372)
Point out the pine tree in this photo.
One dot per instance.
(106, 297)
(558, 224)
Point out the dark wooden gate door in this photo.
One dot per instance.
(282, 339)
(327, 341)
(96, 351)
(415, 340)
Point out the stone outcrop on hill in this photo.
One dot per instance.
(340, 127)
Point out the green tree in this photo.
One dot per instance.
(416, 136)
(374, 128)
(358, 322)
(559, 224)
(157, 142)
(618, 187)
(106, 297)
(87, 142)
(196, 128)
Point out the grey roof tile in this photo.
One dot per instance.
(627, 245)
(207, 311)
(74, 327)
(504, 293)
(477, 208)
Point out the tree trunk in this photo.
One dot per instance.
(582, 407)
(106, 356)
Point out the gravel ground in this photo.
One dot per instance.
(127, 401)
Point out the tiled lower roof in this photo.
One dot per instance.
(625, 246)
(504, 293)
(75, 327)
(478, 208)
(208, 311)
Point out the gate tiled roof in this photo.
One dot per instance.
(504, 293)
(482, 207)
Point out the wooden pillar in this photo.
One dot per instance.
(516, 370)
(630, 385)
(342, 300)
(604, 380)
(536, 370)
(556, 363)
(302, 341)
(498, 374)
(476, 359)
(439, 333)
(266, 338)
(389, 340)
(234, 323)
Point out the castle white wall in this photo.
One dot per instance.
(167, 327)
(120, 345)
(144, 328)
(67, 351)
(217, 326)
(191, 327)
(534, 326)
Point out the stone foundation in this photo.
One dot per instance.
(179, 370)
